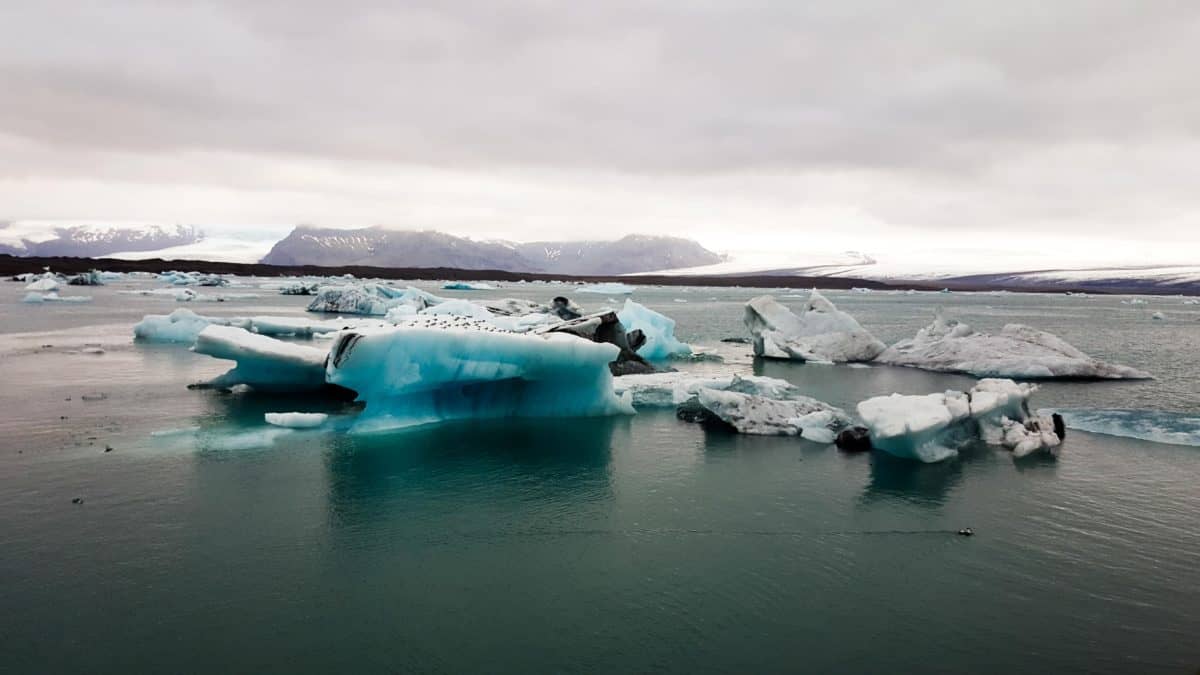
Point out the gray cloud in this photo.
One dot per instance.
(923, 115)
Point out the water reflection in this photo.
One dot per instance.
(515, 472)
(924, 484)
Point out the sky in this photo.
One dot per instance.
(1063, 131)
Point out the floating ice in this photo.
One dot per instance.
(671, 389)
(296, 420)
(1148, 425)
(182, 325)
(38, 298)
(608, 289)
(47, 282)
(371, 299)
(420, 373)
(466, 286)
(821, 332)
(759, 415)
(658, 329)
(263, 363)
(931, 428)
(458, 307)
(1018, 351)
(1158, 316)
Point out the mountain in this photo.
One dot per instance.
(383, 247)
(91, 241)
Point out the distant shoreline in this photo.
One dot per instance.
(11, 265)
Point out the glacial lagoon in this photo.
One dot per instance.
(205, 540)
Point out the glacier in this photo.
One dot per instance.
(932, 427)
(821, 332)
(446, 368)
(1018, 351)
(263, 363)
(659, 331)
(612, 288)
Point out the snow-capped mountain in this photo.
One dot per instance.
(384, 247)
(89, 240)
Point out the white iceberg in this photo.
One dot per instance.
(658, 329)
(296, 420)
(370, 299)
(182, 325)
(820, 332)
(759, 415)
(46, 282)
(1017, 351)
(38, 298)
(932, 427)
(608, 289)
(446, 368)
(263, 363)
(655, 390)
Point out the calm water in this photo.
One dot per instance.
(583, 545)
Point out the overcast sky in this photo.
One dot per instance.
(1066, 128)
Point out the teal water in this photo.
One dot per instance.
(628, 544)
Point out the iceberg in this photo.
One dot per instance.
(299, 288)
(1018, 351)
(445, 368)
(182, 325)
(296, 420)
(607, 328)
(370, 299)
(47, 282)
(762, 416)
(607, 289)
(466, 286)
(658, 329)
(263, 363)
(38, 298)
(1156, 426)
(932, 427)
(660, 390)
(820, 332)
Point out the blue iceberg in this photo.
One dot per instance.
(658, 329)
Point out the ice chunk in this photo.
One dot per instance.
(466, 286)
(263, 363)
(608, 289)
(182, 325)
(1018, 351)
(759, 415)
(296, 420)
(658, 329)
(1157, 426)
(46, 282)
(371, 299)
(458, 307)
(424, 372)
(932, 427)
(1158, 316)
(820, 332)
(38, 298)
(671, 389)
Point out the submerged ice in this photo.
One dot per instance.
(1157, 426)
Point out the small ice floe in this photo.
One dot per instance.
(758, 415)
(1157, 426)
(370, 299)
(931, 428)
(39, 298)
(263, 363)
(671, 389)
(1158, 316)
(466, 286)
(46, 282)
(296, 420)
(1017, 351)
(608, 289)
(182, 325)
(1133, 301)
(820, 332)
